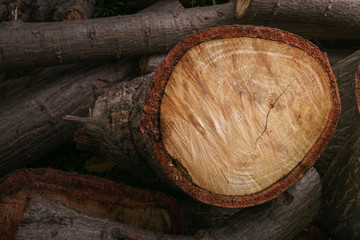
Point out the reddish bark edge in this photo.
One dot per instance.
(150, 121)
(357, 87)
(79, 192)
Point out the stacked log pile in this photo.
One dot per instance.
(233, 109)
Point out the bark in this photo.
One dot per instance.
(176, 136)
(42, 44)
(85, 194)
(33, 107)
(337, 13)
(341, 202)
(46, 11)
(280, 219)
(345, 71)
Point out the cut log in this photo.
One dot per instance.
(32, 108)
(345, 71)
(46, 11)
(341, 202)
(98, 197)
(280, 219)
(26, 45)
(235, 115)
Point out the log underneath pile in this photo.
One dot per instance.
(98, 197)
(42, 204)
(230, 128)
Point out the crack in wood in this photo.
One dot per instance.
(267, 116)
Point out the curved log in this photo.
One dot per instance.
(345, 71)
(212, 130)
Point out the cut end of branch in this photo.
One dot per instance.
(244, 112)
(241, 7)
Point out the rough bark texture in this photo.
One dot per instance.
(87, 194)
(46, 11)
(32, 108)
(39, 44)
(281, 219)
(340, 202)
(345, 71)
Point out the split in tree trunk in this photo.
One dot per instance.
(345, 71)
(32, 108)
(98, 197)
(341, 202)
(230, 127)
(25, 45)
(46, 216)
(45, 10)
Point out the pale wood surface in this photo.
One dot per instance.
(241, 113)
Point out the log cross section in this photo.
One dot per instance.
(238, 113)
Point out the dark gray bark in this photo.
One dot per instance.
(345, 71)
(280, 219)
(32, 108)
(40, 44)
(340, 208)
(46, 11)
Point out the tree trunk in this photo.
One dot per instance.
(95, 196)
(345, 71)
(45, 10)
(280, 219)
(27, 45)
(32, 108)
(227, 135)
(341, 202)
